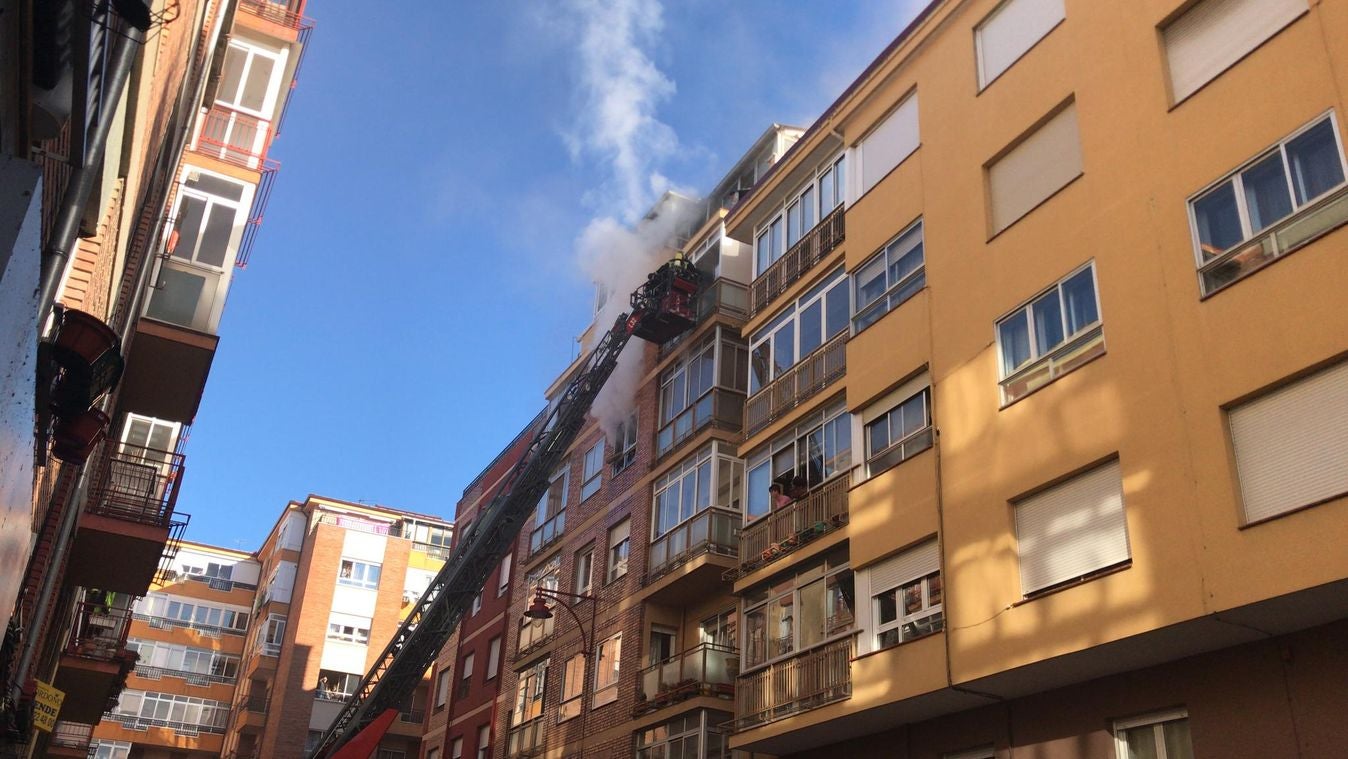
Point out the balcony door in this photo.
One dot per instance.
(208, 220)
(141, 469)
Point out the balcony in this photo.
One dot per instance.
(798, 259)
(1291, 234)
(235, 138)
(95, 662)
(527, 739)
(191, 678)
(128, 514)
(713, 533)
(167, 364)
(70, 739)
(704, 670)
(533, 633)
(206, 631)
(281, 14)
(824, 366)
(723, 297)
(793, 526)
(721, 408)
(817, 677)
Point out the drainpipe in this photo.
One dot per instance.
(66, 227)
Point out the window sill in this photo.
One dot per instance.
(892, 309)
(1084, 343)
(1075, 582)
(900, 644)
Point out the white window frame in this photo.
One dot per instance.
(606, 679)
(901, 444)
(360, 572)
(821, 570)
(584, 581)
(1206, 263)
(151, 424)
(791, 314)
(442, 688)
(254, 50)
(493, 657)
(345, 628)
(477, 604)
(831, 419)
(503, 584)
(926, 612)
(619, 553)
(592, 468)
(530, 693)
(834, 173)
(896, 293)
(1070, 341)
(1155, 721)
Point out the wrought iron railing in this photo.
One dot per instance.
(784, 530)
(824, 366)
(707, 669)
(277, 13)
(816, 677)
(712, 531)
(135, 484)
(719, 407)
(798, 259)
(99, 632)
(234, 137)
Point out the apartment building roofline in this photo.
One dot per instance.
(379, 508)
(525, 430)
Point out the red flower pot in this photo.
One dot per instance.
(84, 335)
(75, 438)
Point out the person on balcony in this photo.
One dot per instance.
(780, 499)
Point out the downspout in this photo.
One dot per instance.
(66, 227)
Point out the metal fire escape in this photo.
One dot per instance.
(662, 309)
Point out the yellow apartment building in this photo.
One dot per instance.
(1047, 362)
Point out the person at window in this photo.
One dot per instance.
(800, 486)
(780, 499)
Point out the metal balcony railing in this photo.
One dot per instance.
(164, 623)
(277, 13)
(135, 484)
(192, 678)
(798, 259)
(784, 530)
(134, 722)
(814, 678)
(527, 739)
(712, 531)
(824, 366)
(415, 716)
(99, 632)
(234, 137)
(718, 406)
(75, 735)
(707, 669)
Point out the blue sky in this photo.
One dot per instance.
(414, 287)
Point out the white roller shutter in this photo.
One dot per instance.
(1072, 529)
(1214, 34)
(904, 567)
(889, 143)
(1035, 168)
(1009, 31)
(1292, 444)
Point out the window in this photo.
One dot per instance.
(348, 628)
(1156, 736)
(199, 616)
(694, 734)
(273, 636)
(625, 444)
(249, 79)
(1010, 31)
(607, 658)
(683, 492)
(1291, 178)
(1054, 333)
(336, 686)
(484, 742)
(892, 140)
(550, 515)
(584, 570)
(816, 200)
(504, 582)
(1035, 167)
(619, 543)
(1213, 35)
(465, 675)
(194, 275)
(546, 576)
(442, 689)
(149, 432)
(906, 597)
(902, 431)
(477, 604)
(573, 686)
(721, 630)
(800, 329)
(184, 661)
(151, 709)
(529, 693)
(889, 278)
(455, 750)
(1291, 444)
(594, 470)
(1072, 530)
(799, 612)
(817, 449)
(687, 398)
(110, 750)
(358, 574)
(494, 657)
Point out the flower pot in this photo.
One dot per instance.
(83, 337)
(75, 438)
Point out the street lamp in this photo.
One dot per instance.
(539, 609)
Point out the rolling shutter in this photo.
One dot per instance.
(918, 561)
(889, 143)
(1214, 34)
(1291, 445)
(1036, 168)
(1072, 529)
(1005, 35)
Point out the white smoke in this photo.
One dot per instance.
(622, 88)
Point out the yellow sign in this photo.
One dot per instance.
(46, 706)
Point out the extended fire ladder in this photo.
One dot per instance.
(662, 309)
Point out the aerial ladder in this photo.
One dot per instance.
(663, 308)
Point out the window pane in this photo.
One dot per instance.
(1141, 742)
(760, 479)
(878, 434)
(1078, 293)
(811, 327)
(1314, 159)
(259, 77)
(839, 182)
(1266, 197)
(807, 210)
(887, 610)
(1047, 322)
(232, 74)
(784, 349)
(760, 366)
(792, 224)
(825, 193)
(776, 235)
(190, 213)
(914, 414)
(837, 303)
(1177, 742)
(870, 282)
(1217, 220)
(1014, 336)
(215, 238)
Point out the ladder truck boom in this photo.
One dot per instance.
(663, 308)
